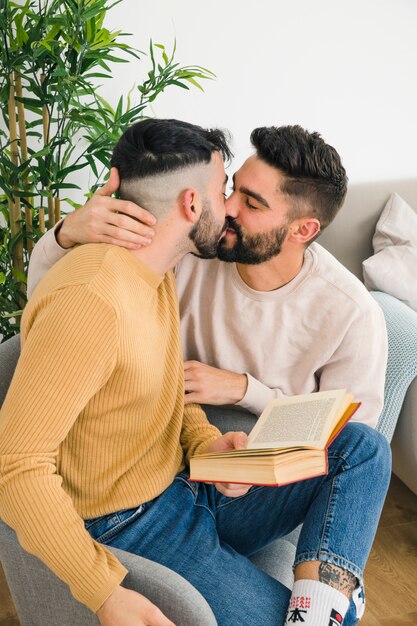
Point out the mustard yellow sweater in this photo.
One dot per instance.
(94, 420)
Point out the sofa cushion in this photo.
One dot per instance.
(392, 269)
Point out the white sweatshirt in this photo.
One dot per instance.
(320, 331)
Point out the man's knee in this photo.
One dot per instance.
(373, 449)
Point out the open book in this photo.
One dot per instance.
(288, 443)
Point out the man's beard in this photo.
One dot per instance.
(251, 249)
(206, 233)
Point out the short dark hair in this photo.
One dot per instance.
(313, 169)
(159, 146)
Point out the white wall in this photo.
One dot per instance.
(347, 68)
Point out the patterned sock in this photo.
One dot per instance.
(314, 603)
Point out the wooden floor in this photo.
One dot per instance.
(390, 575)
(391, 572)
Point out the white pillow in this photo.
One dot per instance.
(393, 267)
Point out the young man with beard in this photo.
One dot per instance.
(282, 317)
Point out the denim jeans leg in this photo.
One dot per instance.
(339, 512)
(178, 529)
(206, 537)
(360, 471)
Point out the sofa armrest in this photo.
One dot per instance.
(169, 591)
(400, 387)
(43, 599)
(401, 323)
(404, 442)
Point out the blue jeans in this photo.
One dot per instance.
(207, 538)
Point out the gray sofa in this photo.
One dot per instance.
(349, 238)
(43, 600)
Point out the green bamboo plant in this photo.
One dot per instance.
(53, 56)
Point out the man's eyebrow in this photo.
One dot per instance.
(252, 194)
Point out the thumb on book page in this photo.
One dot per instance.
(240, 441)
(229, 441)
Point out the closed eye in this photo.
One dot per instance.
(250, 206)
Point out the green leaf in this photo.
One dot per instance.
(119, 108)
(113, 59)
(97, 75)
(194, 82)
(105, 103)
(71, 168)
(19, 275)
(24, 194)
(14, 314)
(75, 205)
(64, 186)
(92, 164)
(177, 83)
(33, 102)
(37, 155)
(103, 158)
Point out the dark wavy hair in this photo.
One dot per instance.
(315, 179)
(158, 146)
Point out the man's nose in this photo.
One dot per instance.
(232, 206)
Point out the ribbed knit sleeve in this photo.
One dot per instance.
(44, 400)
(197, 432)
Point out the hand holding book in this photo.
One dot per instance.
(288, 443)
(230, 441)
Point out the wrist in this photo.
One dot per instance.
(113, 599)
(61, 236)
(239, 387)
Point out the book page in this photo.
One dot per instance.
(300, 420)
(295, 422)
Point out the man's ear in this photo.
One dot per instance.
(190, 205)
(303, 230)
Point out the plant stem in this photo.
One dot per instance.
(57, 208)
(41, 215)
(46, 125)
(25, 156)
(14, 206)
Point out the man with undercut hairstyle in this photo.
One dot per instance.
(275, 315)
(101, 435)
